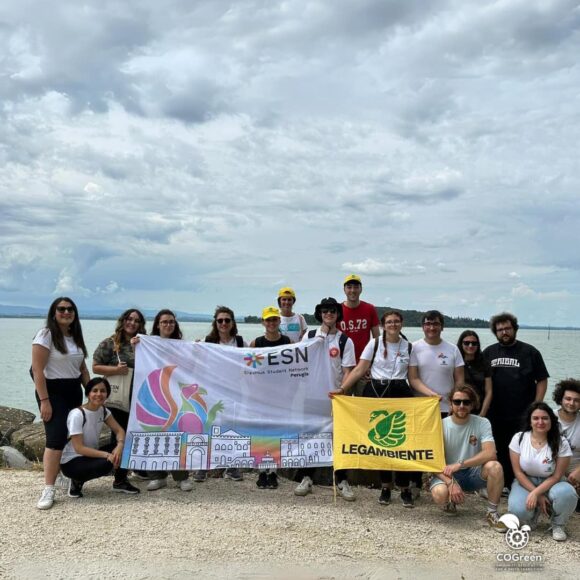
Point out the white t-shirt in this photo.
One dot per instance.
(537, 462)
(436, 365)
(464, 441)
(233, 342)
(396, 363)
(90, 432)
(572, 433)
(60, 366)
(333, 345)
(293, 326)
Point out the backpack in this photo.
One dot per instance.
(81, 409)
(377, 339)
(342, 339)
(239, 341)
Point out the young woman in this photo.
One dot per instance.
(387, 357)
(272, 337)
(224, 331)
(291, 324)
(58, 369)
(82, 460)
(342, 360)
(165, 325)
(115, 356)
(477, 371)
(540, 456)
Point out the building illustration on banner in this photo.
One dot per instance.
(175, 450)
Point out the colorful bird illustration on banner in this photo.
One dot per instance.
(157, 410)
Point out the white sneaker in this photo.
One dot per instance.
(156, 484)
(559, 534)
(345, 491)
(47, 498)
(186, 485)
(304, 487)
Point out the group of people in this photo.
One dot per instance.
(499, 435)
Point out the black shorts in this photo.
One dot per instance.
(64, 395)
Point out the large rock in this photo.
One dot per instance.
(11, 420)
(30, 440)
(10, 457)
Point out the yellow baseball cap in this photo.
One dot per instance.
(286, 292)
(270, 312)
(352, 278)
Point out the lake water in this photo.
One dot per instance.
(561, 352)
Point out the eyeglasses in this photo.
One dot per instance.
(223, 320)
(133, 320)
(470, 343)
(392, 322)
(462, 402)
(432, 324)
(167, 322)
(63, 309)
(504, 329)
(328, 310)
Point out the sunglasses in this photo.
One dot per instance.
(462, 402)
(328, 310)
(470, 343)
(223, 320)
(63, 309)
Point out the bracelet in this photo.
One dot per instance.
(45, 399)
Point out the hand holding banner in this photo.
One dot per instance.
(388, 434)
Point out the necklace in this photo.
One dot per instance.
(382, 395)
(537, 444)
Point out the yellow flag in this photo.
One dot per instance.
(390, 434)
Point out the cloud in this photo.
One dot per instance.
(376, 268)
(523, 291)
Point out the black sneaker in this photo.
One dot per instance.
(272, 481)
(407, 498)
(75, 489)
(262, 482)
(125, 487)
(385, 498)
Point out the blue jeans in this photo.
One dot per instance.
(469, 479)
(562, 496)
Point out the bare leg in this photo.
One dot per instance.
(51, 462)
(492, 472)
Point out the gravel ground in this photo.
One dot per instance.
(226, 529)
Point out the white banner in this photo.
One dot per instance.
(206, 406)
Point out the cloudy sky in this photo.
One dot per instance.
(183, 154)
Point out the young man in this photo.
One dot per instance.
(272, 337)
(359, 319)
(518, 377)
(470, 458)
(567, 395)
(292, 325)
(436, 365)
(341, 353)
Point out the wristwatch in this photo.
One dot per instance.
(461, 462)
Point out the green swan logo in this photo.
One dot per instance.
(390, 430)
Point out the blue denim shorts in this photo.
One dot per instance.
(469, 479)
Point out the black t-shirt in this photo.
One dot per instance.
(475, 373)
(262, 341)
(515, 370)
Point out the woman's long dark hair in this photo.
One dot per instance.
(383, 318)
(176, 330)
(214, 335)
(478, 358)
(554, 437)
(119, 337)
(76, 330)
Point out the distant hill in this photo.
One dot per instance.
(411, 318)
(7, 311)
